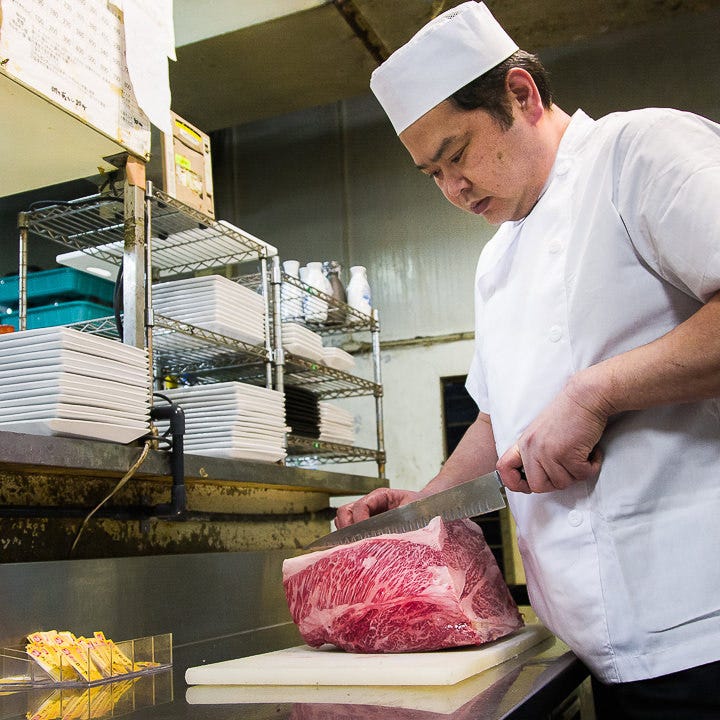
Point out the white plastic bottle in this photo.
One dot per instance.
(359, 296)
(291, 295)
(316, 309)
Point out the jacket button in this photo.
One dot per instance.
(554, 247)
(575, 518)
(555, 333)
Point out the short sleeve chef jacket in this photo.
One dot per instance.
(623, 245)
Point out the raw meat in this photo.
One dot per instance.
(433, 588)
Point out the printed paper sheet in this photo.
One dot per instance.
(73, 52)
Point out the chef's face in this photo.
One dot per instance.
(478, 165)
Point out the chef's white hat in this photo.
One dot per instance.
(446, 54)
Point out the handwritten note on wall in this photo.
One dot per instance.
(73, 52)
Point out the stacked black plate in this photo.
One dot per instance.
(302, 412)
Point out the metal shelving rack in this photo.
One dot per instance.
(160, 237)
(107, 226)
(186, 241)
(328, 383)
(176, 240)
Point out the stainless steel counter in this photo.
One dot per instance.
(225, 605)
(530, 686)
(90, 457)
(48, 485)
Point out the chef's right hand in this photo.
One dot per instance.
(375, 502)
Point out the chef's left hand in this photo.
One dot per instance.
(558, 448)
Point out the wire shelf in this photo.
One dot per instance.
(183, 239)
(202, 356)
(104, 326)
(326, 382)
(305, 451)
(95, 224)
(193, 354)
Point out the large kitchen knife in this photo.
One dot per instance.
(474, 497)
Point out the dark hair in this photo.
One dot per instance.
(488, 91)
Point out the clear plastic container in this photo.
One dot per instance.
(125, 659)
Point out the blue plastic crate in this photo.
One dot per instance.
(47, 286)
(59, 314)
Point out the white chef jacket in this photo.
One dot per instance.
(623, 245)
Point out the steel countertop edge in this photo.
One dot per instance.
(52, 453)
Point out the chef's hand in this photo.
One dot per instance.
(558, 448)
(375, 502)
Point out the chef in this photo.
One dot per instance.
(596, 367)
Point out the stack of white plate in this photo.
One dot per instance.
(302, 341)
(232, 420)
(338, 359)
(336, 424)
(60, 381)
(214, 303)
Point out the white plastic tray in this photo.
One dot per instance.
(242, 454)
(74, 412)
(73, 340)
(75, 384)
(77, 428)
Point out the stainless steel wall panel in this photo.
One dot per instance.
(197, 597)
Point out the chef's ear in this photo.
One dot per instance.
(524, 94)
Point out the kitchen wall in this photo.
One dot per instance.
(334, 182)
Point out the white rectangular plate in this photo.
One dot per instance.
(210, 425)
(70, 339)
(225, 387)
(303, 350)
(71, 361)
(74, 412)
(242, 454)
(76, 384)
(116, 407)
(78, 428)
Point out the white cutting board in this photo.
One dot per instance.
(303, 665)
(442, 699)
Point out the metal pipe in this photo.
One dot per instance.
(377, 374)
(149, 313)
(22, 271)
(266, 321)
(278, 352)
(172, 412)
(360, 348)
(133, 266)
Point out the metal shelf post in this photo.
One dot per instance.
(133, 265)
(377, 374)
(22, 271)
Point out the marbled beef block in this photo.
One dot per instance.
(433, 588)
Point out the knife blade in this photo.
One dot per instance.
(474, 497)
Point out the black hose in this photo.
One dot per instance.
(118, 302)
(176, 416)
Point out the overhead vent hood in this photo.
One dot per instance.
(241, 62)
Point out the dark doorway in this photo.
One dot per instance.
(459, 412)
